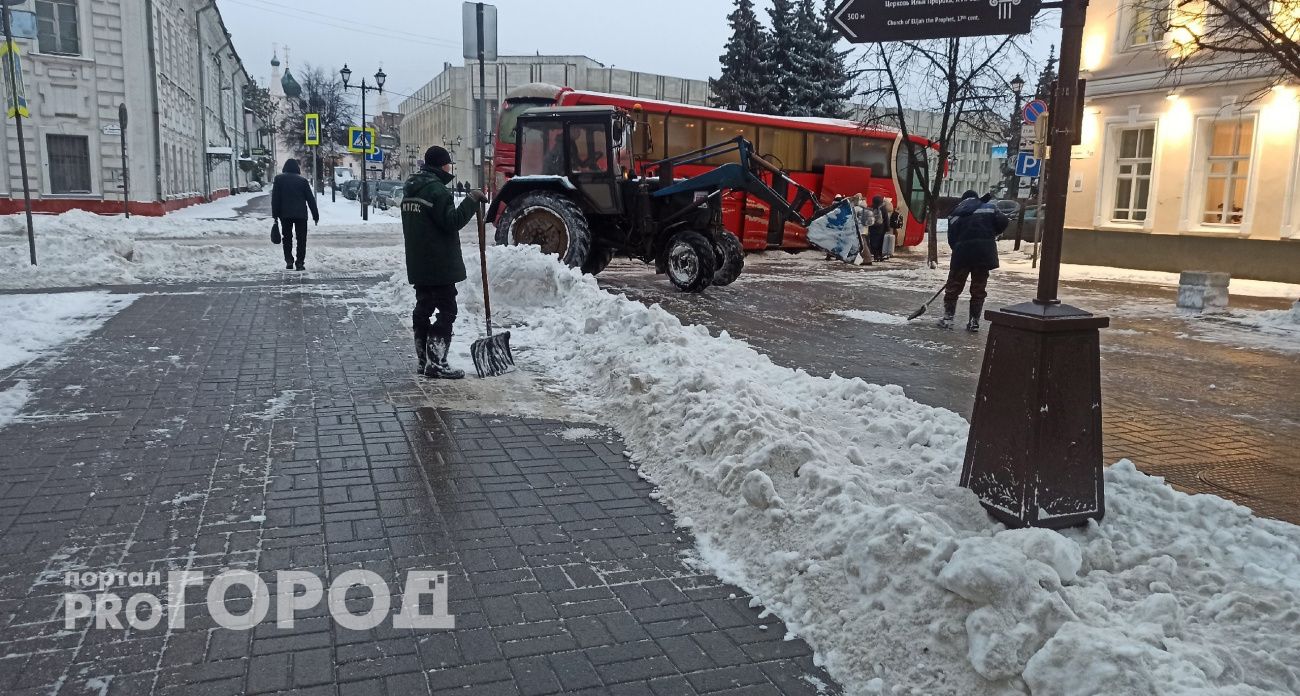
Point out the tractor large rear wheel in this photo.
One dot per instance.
(691, 262)
(730, 256)
(551, 221)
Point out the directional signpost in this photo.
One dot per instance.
(16, 101)
(878, 21)
(1034, 453)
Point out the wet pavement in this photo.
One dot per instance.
(278, 426)
(1212, 407)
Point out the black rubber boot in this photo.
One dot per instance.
(421, 350)
(437, 367)
(976, 309)
(949, 315)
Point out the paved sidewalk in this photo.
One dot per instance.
(272, 426)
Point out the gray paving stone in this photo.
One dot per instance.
(564, 576)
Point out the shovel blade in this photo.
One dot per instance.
(918, 312)
(492, 356)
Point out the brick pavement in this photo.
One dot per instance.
(270, 427)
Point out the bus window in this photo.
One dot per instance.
(540, 151)
(588, 148)
(656, 124)
(827, 149)
(913, 180)
(872, 153)
(721, 132)
(684, 135)
(510, 118)
(784, 147)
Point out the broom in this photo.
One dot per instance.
(491, 355)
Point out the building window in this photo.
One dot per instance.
(69, 163)
(1148, 20)
(57, 29)
(1133, 174)
(1227, 170)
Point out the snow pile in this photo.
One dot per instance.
(835, 502)
(12, 401)
(80, 249)
(33, 324)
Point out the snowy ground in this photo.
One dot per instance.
(835, 502)
(79, 249)
(36, 325)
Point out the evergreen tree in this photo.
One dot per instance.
(788, 68)
(803, 79)
(1047, 76)
(833, 73)
(746, 78)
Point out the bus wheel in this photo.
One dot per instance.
(550, 221)
(691, 262)
(730, 256)
(598, 260)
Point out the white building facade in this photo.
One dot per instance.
(448, 110)
(173, 66)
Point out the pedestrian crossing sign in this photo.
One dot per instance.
(15, 94)
(311, 130)
(362, 140)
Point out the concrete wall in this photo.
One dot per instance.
(1243, 258)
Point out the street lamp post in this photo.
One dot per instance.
(1013, 154)
(380, 78)
(14, 76)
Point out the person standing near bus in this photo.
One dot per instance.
(431, 224)
(973, 230)
(291, 197)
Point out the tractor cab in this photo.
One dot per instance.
(586, 149)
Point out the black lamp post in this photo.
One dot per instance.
(380, 79)
(14, 101)
(1011, 180)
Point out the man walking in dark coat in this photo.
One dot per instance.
(973, 230)
(431, 224)
(291, 197)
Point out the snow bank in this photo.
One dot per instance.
(33, 324)
(78, 249)
(12, 400)
(835, 502)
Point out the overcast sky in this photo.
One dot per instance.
(413, 38)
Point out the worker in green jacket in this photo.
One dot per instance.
(431, 225)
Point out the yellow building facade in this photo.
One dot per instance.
(1180, 172)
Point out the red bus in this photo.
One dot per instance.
(828, 156)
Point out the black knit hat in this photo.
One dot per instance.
(436, 158)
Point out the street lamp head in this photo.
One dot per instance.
(380, 78)
(346, 74)
(1017, 84)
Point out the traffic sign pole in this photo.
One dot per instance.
(18, 121)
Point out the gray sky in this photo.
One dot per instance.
(413, 38)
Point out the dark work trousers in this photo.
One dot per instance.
(431, 298)
(979, 281)
(288, 228)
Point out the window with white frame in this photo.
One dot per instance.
(1147, 22)
(1134, 151)
(57, 27)
(1227, 146)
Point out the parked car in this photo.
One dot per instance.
(1006, 206)
(388, 194)
(350, 189)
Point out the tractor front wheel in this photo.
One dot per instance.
(730, 256)
(548, 220)
(691, 262)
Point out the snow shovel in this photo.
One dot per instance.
(928, 302)
(491, 355)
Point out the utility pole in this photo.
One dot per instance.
(126, 163)
(16, 103)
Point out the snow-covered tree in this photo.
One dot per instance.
(746, 75)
